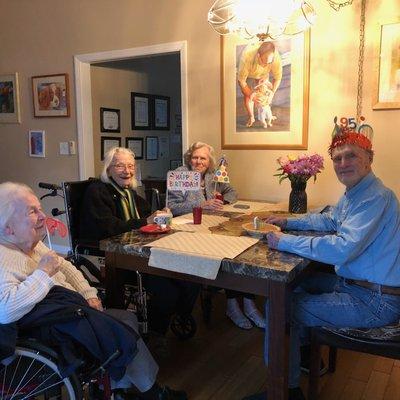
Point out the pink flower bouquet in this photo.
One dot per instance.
(301, 168)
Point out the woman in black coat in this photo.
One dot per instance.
(110, 207)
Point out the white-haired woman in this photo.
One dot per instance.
(110, 207)
(200, 157)
(29, 272)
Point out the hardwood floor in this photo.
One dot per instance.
(223, 362)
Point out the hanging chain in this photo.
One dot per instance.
(361, 61)
(338, 6)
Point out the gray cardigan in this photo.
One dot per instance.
(182, 203)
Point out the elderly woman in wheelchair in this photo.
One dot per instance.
(111, 206)
(38, 286)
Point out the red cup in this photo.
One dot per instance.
(197, 213)
(219, 196)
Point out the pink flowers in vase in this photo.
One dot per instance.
(301, 168)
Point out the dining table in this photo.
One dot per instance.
(258, 270)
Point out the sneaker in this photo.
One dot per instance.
(257, 319)
(239, 319)
(305, 362)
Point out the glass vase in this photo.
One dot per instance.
(298, 197)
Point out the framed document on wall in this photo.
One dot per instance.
(151, 148)
(108, 143)
(140, 110)
(161, 119)
(136, 145)
(110, 120)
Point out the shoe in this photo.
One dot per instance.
(305, 361)
(167, 393)
(256, 317)
(239, 319)
(294, 394)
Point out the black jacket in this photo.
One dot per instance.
(101, 213)
(55, 322)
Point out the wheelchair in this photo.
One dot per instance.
(89, 259)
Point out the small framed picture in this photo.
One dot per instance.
(9, 99)
(161, 113)
(136, 145)
(37, 144)
(174, 164)
(140, 110)
(110, 120)
(50, 95)
(151, 148)
(107, 143)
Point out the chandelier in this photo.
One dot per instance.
(264, 19)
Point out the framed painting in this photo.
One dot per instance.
(136, 145)
(387, 81)
(37, 144)
(161, 113)
(110, 120)
(151, 148)
(50, 95)
(140, 111)
(9, 99)
(107, 143)
(265, 93)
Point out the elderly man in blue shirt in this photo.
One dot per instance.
(362, 242)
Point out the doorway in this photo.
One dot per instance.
(83, 63)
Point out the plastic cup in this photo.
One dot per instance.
(197, 213)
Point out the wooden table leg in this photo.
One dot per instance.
(278, 361)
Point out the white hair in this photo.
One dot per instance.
(10, 194)
(108, 159)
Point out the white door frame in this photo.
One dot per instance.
(83, 92)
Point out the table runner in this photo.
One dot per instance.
(196, 254)
(184, 223)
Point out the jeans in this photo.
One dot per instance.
(327, 300)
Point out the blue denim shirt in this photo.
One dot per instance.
(365, 243)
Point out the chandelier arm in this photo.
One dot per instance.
(361, 61)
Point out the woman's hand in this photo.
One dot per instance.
(95, 303)
(50, 263)
(212, 204)
(278, 221)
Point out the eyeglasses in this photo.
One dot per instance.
(121, 167)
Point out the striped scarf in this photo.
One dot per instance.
(127, 202)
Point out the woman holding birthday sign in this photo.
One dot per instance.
(215, 191)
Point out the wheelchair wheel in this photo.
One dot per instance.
(32, 374)
(183, 326)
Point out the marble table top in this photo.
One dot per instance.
(257, 261)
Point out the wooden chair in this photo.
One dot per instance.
(384, 341)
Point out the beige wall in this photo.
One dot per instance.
(42, 36)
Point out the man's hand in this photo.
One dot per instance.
(212, 204)
(273, 239)
(95, 303)
(278, 221)
(50, 263)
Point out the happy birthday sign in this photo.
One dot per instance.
(183, 180)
